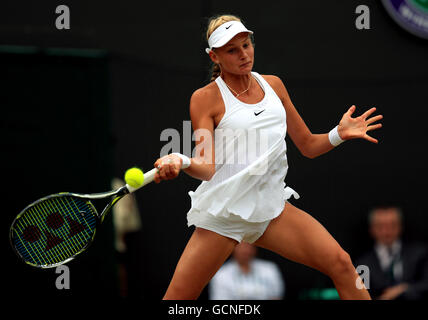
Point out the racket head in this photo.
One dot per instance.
(54, 230)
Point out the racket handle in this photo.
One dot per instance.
(148, 177)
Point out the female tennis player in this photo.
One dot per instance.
(244, 200)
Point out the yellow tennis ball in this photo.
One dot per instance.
(134, 177)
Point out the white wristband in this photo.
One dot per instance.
(186, 160)
(334, 137)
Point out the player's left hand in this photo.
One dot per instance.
(353, 128)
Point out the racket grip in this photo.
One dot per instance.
(148, 177)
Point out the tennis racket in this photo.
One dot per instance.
(55, 229)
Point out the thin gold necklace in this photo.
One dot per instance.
(238, 94)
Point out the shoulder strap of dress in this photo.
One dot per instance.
(266, 85)
(260, 79)
(225, 93)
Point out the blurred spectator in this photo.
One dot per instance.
(398, 270)
(245, 277)
(126, 216)
(126, 219)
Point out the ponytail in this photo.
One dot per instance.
(215, 71)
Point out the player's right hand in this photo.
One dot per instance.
(168, 167)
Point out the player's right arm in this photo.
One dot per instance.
(202, 116)
(202, 164)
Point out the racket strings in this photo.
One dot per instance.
(54, 230)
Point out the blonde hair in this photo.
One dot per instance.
(214, 23)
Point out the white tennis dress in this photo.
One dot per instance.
(251, 161)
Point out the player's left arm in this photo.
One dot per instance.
(313, 145)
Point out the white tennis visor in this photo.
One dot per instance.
(224, 33)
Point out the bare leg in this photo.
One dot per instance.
(297, 236)
(204, 254)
